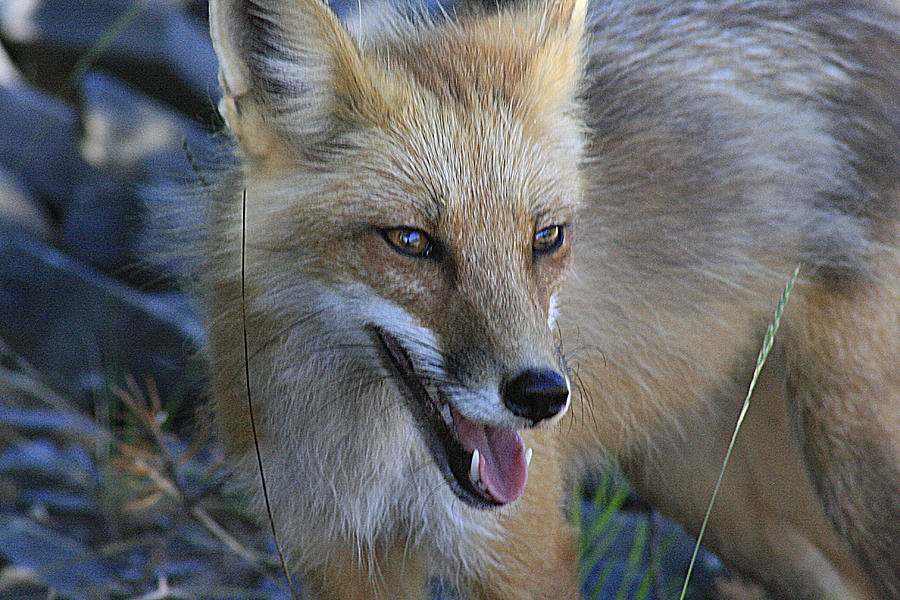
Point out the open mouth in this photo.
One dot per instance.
(485, 466)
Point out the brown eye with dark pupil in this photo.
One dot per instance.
(408, 241)
(548, 239)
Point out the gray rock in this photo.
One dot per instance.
(19, 205)
(64, 564)
(94, 211)
(83, 329)
(159, 46)
(140, 139)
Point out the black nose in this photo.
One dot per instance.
(536, 394)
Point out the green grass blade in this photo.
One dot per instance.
(760, 361)
(195, 166)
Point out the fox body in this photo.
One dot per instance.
(457, 228)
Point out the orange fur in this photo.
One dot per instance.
(692, 156)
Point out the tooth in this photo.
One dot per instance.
(528, 454)
(474, 475)
(446, 415)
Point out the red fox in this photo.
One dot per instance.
(486, 250)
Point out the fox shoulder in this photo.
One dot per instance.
(785, 110)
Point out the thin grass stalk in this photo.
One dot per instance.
(259, 462)
(768, 341)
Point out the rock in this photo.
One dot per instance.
(21, 583)
(94, 212)
(63, 564)
(140, 139)
(158, 46)
(61, 425)
(83, 329)
(39, 142)
(19, 206)
(57, 501)
(644, 555)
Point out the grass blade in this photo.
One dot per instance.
(768, 341)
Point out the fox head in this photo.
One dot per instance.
(410, 207)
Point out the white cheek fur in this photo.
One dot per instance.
(553, 312)
(345, 460)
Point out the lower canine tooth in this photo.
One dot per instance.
(474, 475)
(528, 454)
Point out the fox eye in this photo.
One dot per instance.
(409, 241)
(548, 239)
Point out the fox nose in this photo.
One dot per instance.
(536, 394)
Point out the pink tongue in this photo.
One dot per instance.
(503, 469)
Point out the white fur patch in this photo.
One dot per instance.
(344, 461)
(553, 312)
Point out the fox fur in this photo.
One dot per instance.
(402, 182)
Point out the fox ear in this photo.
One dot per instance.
(557, 67)
(567, 16)
(289, 72)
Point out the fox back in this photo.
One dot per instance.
(443, 232)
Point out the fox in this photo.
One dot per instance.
(464, 255)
